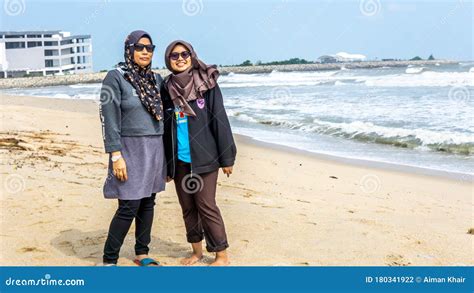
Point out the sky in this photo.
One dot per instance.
(230, 32)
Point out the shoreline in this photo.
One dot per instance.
(97, 77)
(83, 105)
(387, 166)
(281, 208)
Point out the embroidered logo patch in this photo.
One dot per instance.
(200, 102)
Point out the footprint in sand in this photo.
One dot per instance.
(396, 260)
(303, 201)
(272, 207)
(30, 249)
(248, 194)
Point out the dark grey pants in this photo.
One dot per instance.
(202, 217)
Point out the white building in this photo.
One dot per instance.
(44, 53)
(346, 57)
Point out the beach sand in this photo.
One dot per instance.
(281, 207)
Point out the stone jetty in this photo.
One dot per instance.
(40, 81)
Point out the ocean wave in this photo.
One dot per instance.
(441, 141)
(276, 84)
(75, 96)
(421, 139)
(276, 78)
(425, 78)
(338, 82)
(62, 96)
(411, 77)
(415, 70)
(466, 64)
(241, 116)
(82, 85)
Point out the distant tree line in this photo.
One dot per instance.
(283, 62)
(304, 61)
(419, 58)
(294, 61)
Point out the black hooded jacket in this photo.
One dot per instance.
(210, 136)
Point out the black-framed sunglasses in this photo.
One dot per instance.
(184, 55)
(139, 47)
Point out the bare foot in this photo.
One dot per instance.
(221, 259)
(194, 258)
(220, 263)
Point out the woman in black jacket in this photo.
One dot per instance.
(198, 141)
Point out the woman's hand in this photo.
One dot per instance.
(227, 170)
(120, 169)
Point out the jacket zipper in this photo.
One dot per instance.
(175, 153)
(190, 152)
(190, 156)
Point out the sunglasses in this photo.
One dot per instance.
(184, 55)
(140, 47)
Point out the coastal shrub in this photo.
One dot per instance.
(246, 63)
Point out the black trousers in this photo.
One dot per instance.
(142, 211)
(202, 217)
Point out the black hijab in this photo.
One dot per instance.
(141, 78)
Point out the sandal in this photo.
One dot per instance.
(146, 262)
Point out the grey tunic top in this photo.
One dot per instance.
(122, 113)
(129, 128)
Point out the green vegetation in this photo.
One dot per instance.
(289, 61)
(246, 63)
(283, 62)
